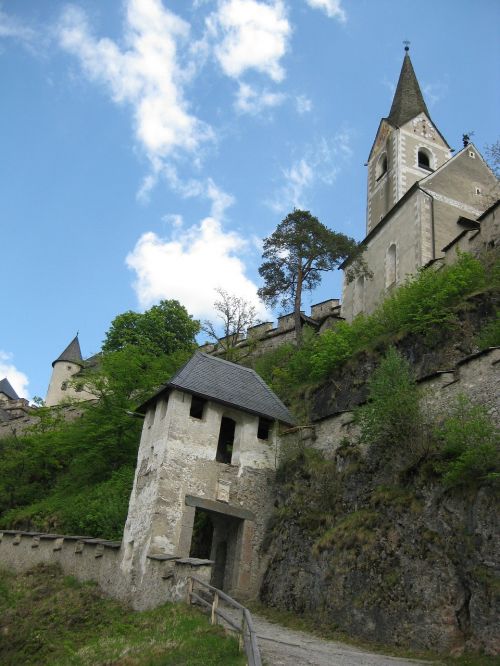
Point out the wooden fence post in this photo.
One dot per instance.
(241, 637)
(215, 605)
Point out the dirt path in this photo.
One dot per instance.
(280, 646)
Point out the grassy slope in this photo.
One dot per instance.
(46, 618)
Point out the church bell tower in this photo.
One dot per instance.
(408, 147)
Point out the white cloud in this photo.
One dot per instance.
(191, 262)
(332, 8)
(189, 265)
(251, 100)
(434, 92)
(173, 219)
(145, 73)
(13, 28)
(18, 380)
(320, 163)
(303, 104)
(254, 37)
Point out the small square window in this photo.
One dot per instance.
(197, 407)
(264, 428)
(472, 154)
(478, 190)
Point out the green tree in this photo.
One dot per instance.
(295, 255)
(163, 329)
(393, 422)
(73, 470)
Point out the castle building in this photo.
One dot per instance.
(11, 405)
(207, 457)
(64, 369)
(420, 196)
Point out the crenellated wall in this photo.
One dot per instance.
(165, 578)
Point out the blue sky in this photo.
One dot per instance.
(148, 146)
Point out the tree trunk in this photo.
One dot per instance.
(296, 308)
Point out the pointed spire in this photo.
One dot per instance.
(72, 353)
(408, 100)
(6, 388)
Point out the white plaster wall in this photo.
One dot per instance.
(64, 371)
(404, 230)
(177, 458)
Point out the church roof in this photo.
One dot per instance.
(408, 100)
(228, 383)
(6, 387)
(72, 353)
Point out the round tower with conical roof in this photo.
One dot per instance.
(64, 368)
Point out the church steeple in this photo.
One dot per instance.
(407, 147)
(408, 100)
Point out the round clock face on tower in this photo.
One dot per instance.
(424, 128)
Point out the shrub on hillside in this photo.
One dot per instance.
(393, 416)
(470, 451)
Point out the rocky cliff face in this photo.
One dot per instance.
(385, 553)
(439, 350)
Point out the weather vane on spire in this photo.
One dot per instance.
(407, 45)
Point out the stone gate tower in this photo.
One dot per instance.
(203, 482)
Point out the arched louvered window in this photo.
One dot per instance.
(424, 159)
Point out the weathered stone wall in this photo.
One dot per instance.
(264, 337)
(476, 376)
(19, 426)
(360, 542)
(177, 472)
(99, 560)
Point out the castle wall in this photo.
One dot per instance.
(476, 377)
(98, 560)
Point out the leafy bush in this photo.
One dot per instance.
(490, 334)
(470, 445)
(430, 297)
(393, 417)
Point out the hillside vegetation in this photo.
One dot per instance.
(392, 536)
(428, 306)
(74, 475)
(46, 618)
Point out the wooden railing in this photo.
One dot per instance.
(244, 628)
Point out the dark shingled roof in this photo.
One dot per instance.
(5, 387)
(408, 100)
(72, 353)
(228, 383)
